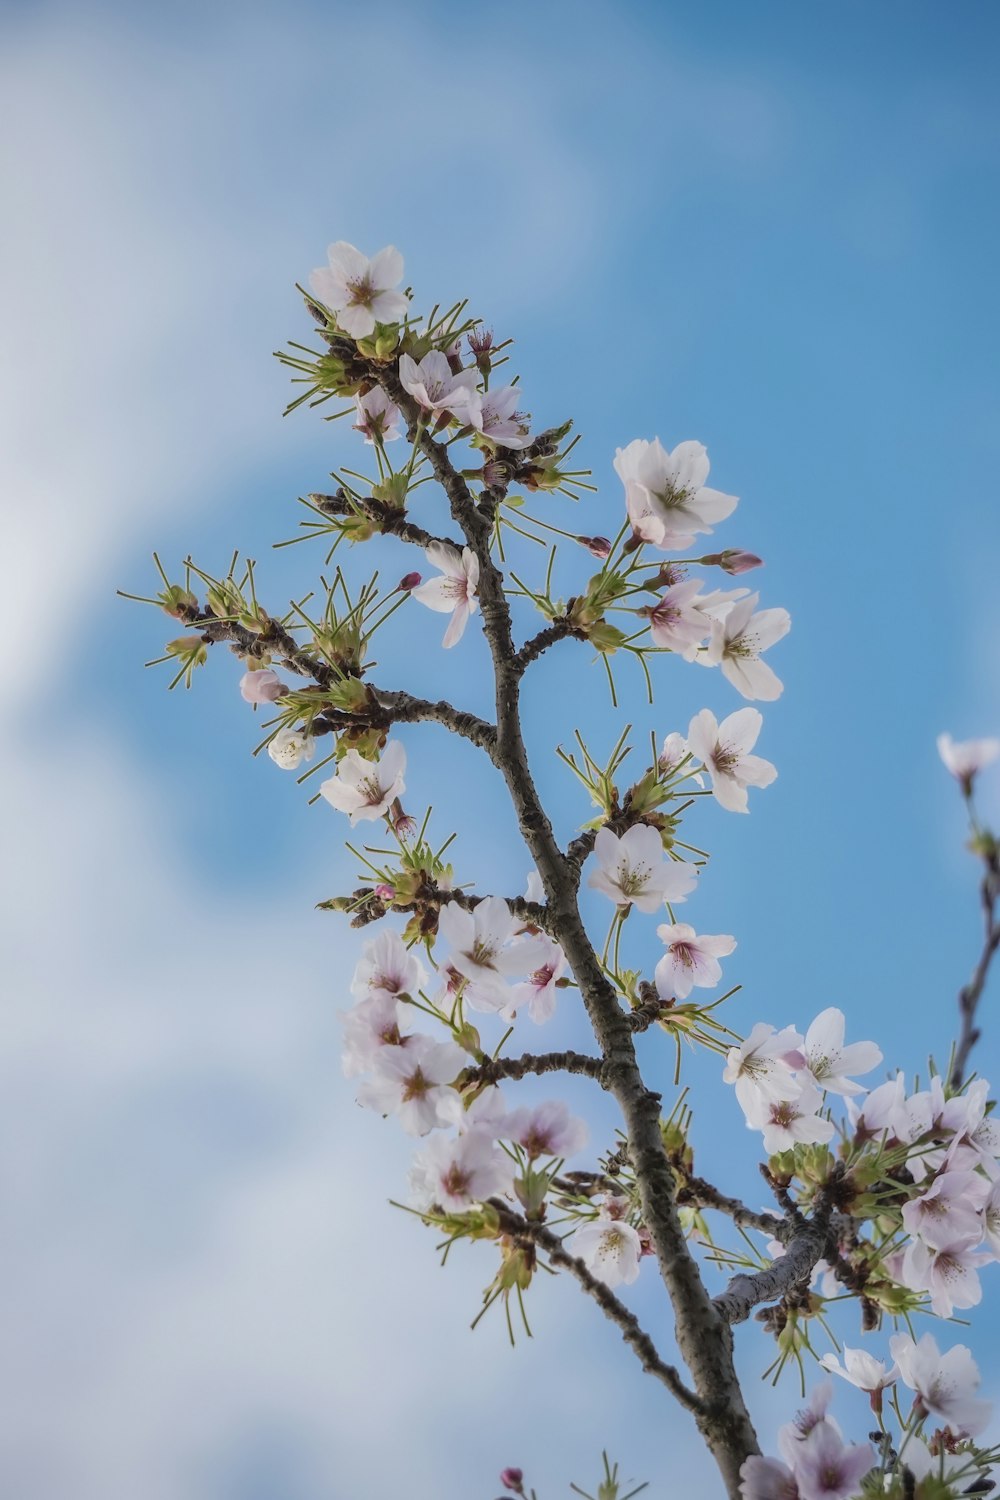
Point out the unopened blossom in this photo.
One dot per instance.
(414, 1082)
(950, 1211)
(388, 964)
(827, 1468)
(965, 758)
(862, 1370)
(290, 747)
(484, 950)
(364, 789)
(408, 582)
(633, 870)
(736, 644)
(495, 415)
(455, 1171)
(690, 960)
(435, 387)
(597, 546)
(666, 497)
(378, 418)
(361, 291)
(537, 993)
(724, 750)
(829, 1060)
(261, 687)
(759, 1068)
(610, 1248)
(454, 590)
(767, 1479)
(734, 560)
(676, 623)
(949, 1273)
(375, 1022)
(945, 1384)
(487, 1113)
(512, 1479)
(787, 1122)
(546, 1130)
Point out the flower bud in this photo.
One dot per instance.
(512, 1479)
(597, 546)
(734, 561)
(261, 687)
(385, 892)
(407, 582)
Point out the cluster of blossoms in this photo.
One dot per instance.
(932, 1459)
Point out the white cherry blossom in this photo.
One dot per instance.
(537, 993)
(632, 869)
(965, 758)
(388, 964)
(454, 591)
(724, 750)
(767, 1479)
(484, 950)
(862, 1370)
(736, 644)
(949, 1273)
(950, 1212)
(361, 291)
(546, 1130)
(495, 415)
(375, 1022)
(676, 623)
(784, 1122)
(290, 747)
(414, 1082)
(434, 385)
(690, 960)
(610, 1248)
(829, 1060)
(261, 687)
(666, 497)
(673, 755)
(759, 1067)
(365, 789)
(827, 1468)
(945, 1384)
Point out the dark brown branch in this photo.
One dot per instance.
(372, 908)
(701, 1193)
(532, 649)
(536, 1235)
(389, 521)
(788, 1273)
(496, 1068)
(971, 993)
(274, 639)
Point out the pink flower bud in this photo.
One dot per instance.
(734, 561)
(598, 546)
(385, 892)
(513, 1479)
(261, 687)
(408, 582)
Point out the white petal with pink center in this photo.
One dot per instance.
(787, 1122)
(948, 1273)
(861, 1369)
(829, 1060)
(945, 1383)
(455, 1172)
(496, 416)
(388, 964)
(965, 758)
(724, 750)
(690, 960)
(375, 1022)
(759, 1068)
(737, 642)
(414, 1082)
(610, 1248)
(378, 418)
(537, 993)
(454, 591)
(365, 789)
(546, 1130)
(675, 621)
(435, 387)
(633, 869)
(361, 291)
(666, 497)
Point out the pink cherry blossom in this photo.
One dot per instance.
(950, 1211)
(666, 497)
(364, 789)
(827, 1468)
(633, 870)
(361, 291)
(674, 755)
(484, 950)
(261, 687)
(454, 590)
(767, 1479)
(676, 623)
(737, 641)
(434, 385)
(375, 1022)
(495, 415)
(378, 417)
(829, 1061)
(785, 1122)
(456, 1171)
(724, 750)
(414, 1082)
(537, 993)
(690, 960)
(945, 1384)
(947, 1272)
(546, 1130)
(388, 964)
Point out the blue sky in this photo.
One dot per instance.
(771, 228)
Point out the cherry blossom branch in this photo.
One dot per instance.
(372, 907)
(526, 1234)
(699, 1192)
(496, 1068)
(533, 648)
(389, 521)
(702, 1332)
(808, 1242)
(971, 993)
(274, 639)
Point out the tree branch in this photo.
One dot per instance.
(404, 708)
(702, 1194)
(524, 1233)
(533, 648)
(372, 907)
(971, 993)
(496, 1068)
(389, 521)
